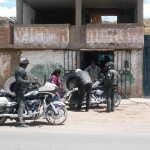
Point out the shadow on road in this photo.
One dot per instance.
(31, 124)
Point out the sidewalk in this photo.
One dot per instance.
(135, 100)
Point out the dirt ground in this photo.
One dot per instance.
(128, 118)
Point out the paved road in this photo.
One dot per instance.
(19, 140)
(128, 128)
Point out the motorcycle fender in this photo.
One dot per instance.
(57, 103)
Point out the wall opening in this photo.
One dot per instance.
(55, 16)
(109, 19)
(100, 58)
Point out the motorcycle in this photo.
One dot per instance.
(97, 96)
(38, 103)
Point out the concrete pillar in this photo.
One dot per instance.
(140, 11)
(19, 4)
(78, 21)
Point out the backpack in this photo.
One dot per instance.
(108, 80)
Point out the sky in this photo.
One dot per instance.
(8, 8)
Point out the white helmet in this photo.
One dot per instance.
(23, 61)
(77, 70)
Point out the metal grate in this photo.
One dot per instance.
(70, 61)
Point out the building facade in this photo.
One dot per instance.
(70, 33)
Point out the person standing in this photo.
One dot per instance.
(84, 85)
(110, 83)
(20, 88)
(93, 71)
(54, 78)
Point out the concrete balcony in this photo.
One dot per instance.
(92, 36)
(41, 36)
(119, 36)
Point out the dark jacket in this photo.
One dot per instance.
(21, 79)
(83, 78)
(111, 77)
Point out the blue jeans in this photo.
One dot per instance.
(57, 97)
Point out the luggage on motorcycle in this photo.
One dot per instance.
(4, 94)
(3, 103)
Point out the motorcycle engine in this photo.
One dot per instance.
(99, 92)
(32, 105)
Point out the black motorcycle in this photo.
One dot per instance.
(38, 103)
(97, 96)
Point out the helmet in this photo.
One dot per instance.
(110, 65)
(23, 61)
(77, 70)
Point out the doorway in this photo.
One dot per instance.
(100, 58)
(146, 66)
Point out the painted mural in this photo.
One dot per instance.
(42, 71)
(129, 65)
(43, 63)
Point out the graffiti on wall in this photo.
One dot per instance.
(52, 35)
(42, 70)
(126, 77)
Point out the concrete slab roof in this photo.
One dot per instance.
(41, 4)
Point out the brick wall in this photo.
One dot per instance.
(4, 35)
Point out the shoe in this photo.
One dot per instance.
(19, 123)
(23, 126)
(108, 111)
(112, 110)
(86, 110)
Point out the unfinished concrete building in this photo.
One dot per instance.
(70, 33)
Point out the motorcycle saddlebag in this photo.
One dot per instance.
(3, 103)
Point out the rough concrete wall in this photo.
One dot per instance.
(37, 36)
(43, 62)
(129, 66)
(115, 36)
(4, 35)
(28, 14)
(8, 62)
(147, 30)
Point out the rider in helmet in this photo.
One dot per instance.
(84, 85)
(20, 88)
(110, 83)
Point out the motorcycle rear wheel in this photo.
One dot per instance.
(54, 119)
(2, 120)
(72, 106)
(117, 98)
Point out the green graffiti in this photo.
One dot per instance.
(42, 70)
(126, 77)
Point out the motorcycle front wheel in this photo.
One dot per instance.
(2, 120)
(56, 119)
